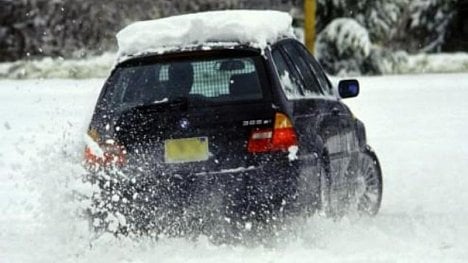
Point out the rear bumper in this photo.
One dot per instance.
(245, 192)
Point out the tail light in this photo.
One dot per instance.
(103, 154)
(280, 138)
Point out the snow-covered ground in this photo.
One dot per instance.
(417, 124)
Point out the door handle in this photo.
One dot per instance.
(335, 111)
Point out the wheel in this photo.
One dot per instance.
(368, 192)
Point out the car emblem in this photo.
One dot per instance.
(184, 123)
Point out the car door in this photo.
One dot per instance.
(345, 120)
(333, 126)
(307, 113)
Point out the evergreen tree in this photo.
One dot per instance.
(427, 28)
(70, 28)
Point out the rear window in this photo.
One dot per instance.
(218, 80)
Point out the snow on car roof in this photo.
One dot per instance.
(250, 27)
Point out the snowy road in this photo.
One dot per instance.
(417, 125)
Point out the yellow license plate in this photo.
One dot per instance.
(186, 150)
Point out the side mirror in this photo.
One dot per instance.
(348, 88)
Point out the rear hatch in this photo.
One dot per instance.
(195, 139)
(190, 112)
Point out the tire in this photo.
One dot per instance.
(369, 187)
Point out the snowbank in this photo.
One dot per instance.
(256, 28)
(92, 67)
(435, 63)
(100, 66)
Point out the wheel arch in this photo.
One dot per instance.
(361, 135)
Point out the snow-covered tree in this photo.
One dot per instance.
(72, 28)
(384, 18)
(343, 46)
(392, 25)
(428, 24)
(381, 18)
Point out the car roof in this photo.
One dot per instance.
(205, 31)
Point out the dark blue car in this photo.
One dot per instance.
(228, 135)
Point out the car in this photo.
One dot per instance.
(227, 128)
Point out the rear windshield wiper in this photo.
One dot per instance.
(165, 100)
(179, 102)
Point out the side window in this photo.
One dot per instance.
(311, 84)
(290, 82)
(317, 70)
